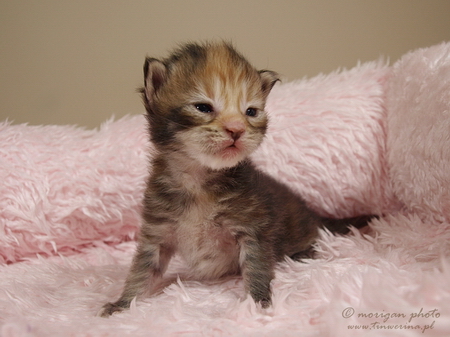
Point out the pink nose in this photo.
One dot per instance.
(234, 128)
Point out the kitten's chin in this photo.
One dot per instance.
(226, 158)
(218, 163)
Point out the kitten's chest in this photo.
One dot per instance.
(206, 239)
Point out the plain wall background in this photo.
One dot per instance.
(80, 62)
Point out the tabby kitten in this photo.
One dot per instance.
(205, 199)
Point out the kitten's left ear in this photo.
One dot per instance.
(155, 75)
(269, 78)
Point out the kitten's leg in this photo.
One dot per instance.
(150, 262)
(305, 254)
(257, 264)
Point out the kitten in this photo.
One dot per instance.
(205, 200)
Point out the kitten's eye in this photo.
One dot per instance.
(204, 107)
(251, 112)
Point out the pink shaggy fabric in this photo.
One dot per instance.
(352, 142)
(327, 140)
(418, 97)
(64, 187)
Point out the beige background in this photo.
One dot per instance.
(80, 61)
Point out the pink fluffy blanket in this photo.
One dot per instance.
(373, 139)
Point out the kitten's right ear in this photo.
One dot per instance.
(269, 78)
(155, 74)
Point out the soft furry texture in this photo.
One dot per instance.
(373, 139)
(326, 140)
(63, 188)
(418, 97)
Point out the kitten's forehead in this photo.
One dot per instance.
(218, 71)
(228, 77)
(229, 69)
(211, 56)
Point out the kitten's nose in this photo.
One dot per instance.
(235, 129)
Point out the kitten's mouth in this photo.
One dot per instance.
(231, 150)
(231, 143)
(223, 154)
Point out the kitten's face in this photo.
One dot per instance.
(211, 101)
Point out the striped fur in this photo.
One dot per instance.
(205, 200)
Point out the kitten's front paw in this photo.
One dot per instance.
(108, 309)
(265, 303)
(264, 300)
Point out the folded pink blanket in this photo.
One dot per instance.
(373, 139)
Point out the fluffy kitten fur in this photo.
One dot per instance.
(205, 200)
